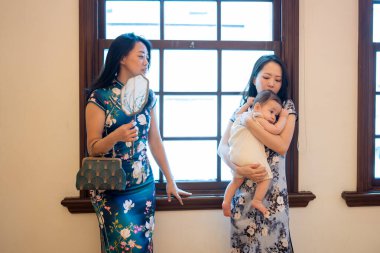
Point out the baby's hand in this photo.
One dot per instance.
(250, 100)
(284, 113)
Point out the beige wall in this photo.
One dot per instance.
(39, 138)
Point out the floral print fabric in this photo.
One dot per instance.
(126, 218)
(250, 231)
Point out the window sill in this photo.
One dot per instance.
(195, 202)
(355, 199)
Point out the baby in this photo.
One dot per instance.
(245, 149)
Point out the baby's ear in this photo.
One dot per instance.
(257, 107)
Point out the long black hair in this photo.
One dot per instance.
(251, 91)
(120, 47)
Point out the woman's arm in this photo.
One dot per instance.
(279, 143)
(158, 151)
(95, 120)
(255, 172)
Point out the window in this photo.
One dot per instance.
(368, 176)
(203, 53)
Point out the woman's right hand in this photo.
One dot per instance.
(255, 172)
(127, 132)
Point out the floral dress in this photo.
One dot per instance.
(250, 231)
(126, 218)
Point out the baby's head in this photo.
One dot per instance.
(268, 104)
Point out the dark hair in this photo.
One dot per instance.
(120, 47)
(265, 96)
(251, 91)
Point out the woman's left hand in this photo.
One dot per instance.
(172, 189)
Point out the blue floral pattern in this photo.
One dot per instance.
(126, 218)
(250, 231)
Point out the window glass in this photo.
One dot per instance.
(237, 67)
(377, 119)
(376, 23)
(377, 158)
(190, 116)
(139, 17)
(229, 104)
(190, 20)
(192, 160)
(154, 70)
(190, 70)
(377, 72)
(153, 163)
(246, 21)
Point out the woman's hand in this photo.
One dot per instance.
(172, 189)
(127, 132)
(255, 172)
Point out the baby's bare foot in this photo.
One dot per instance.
(226, 207)
(260, 206)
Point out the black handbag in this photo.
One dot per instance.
(101, 173)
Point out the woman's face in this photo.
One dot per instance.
(269, 78)
(136, 62)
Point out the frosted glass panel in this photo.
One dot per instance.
(190, 70)
(376, 23)
(246, 21)
(377, 158)
(237, 66)
(139, 17)
(192, 160)
(190, 20)
(190, 116)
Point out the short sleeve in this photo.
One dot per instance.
(152, 99)
(289, 105)
(97, 99)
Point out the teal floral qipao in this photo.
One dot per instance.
(250, 231)
(126, 218)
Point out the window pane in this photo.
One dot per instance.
(226, 172)
(377, 73)
(153, 164)
(377, 119)
(140, 17)
(377, 158)
(193, 116)
(192, 160)
(247, 21)
(190, 20)
(376, 22)
(154, 70)
(190, 70)
(229, 104)
(235, 76)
